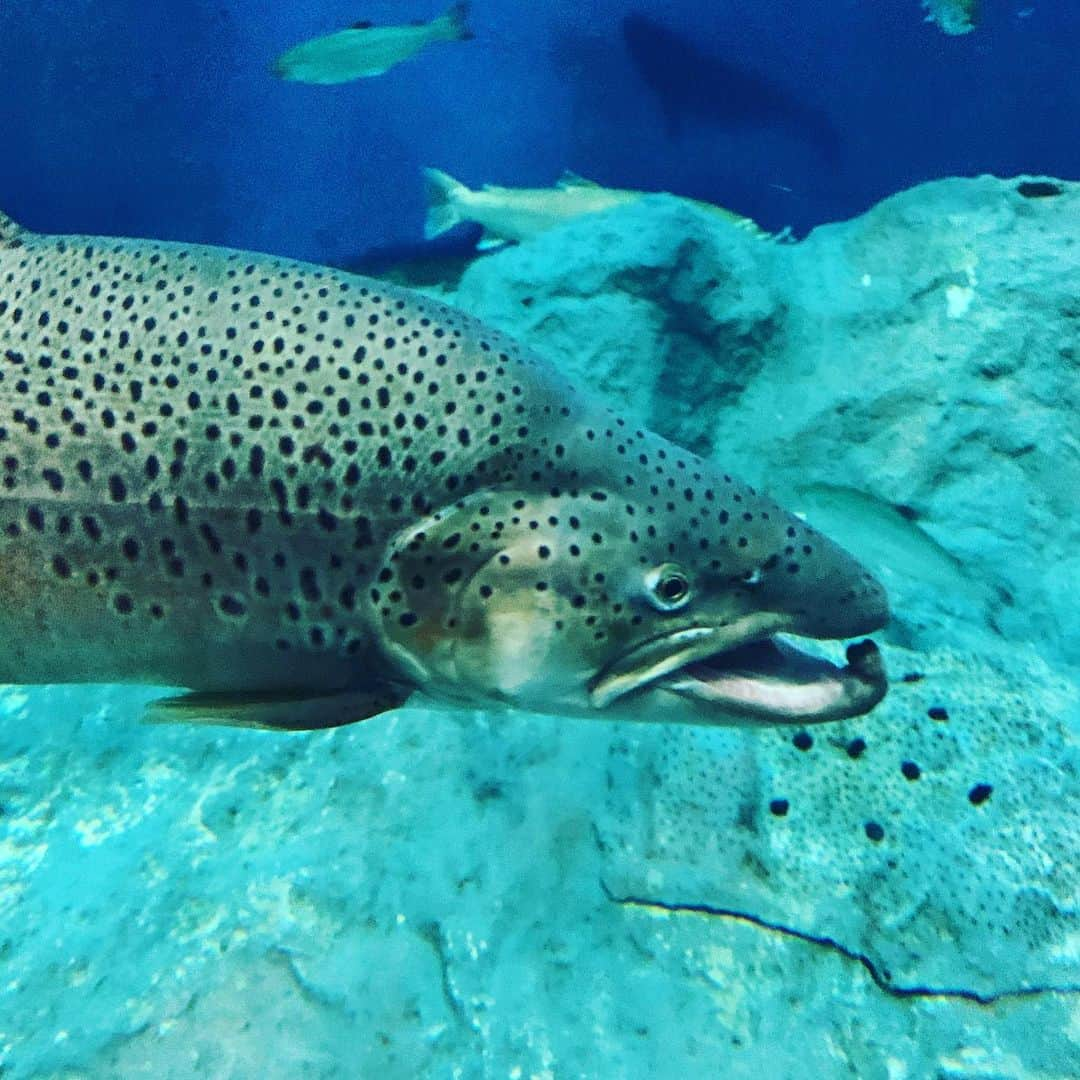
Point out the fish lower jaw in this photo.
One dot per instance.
(771, 683)
(763, 679)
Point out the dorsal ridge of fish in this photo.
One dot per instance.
(573, 180)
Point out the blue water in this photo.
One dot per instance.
(161, 119)
(464, 894)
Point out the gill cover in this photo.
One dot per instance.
(478, 601)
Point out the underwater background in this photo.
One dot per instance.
(163, 119)
(478, 895)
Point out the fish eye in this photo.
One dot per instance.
(669, 587)
(751, 577)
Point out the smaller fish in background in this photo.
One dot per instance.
(422, 264)
(952, 16)
(693, 85)
(511, 215)
(365, 50)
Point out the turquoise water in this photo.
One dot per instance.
(469, 890)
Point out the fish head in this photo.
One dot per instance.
(587, 602)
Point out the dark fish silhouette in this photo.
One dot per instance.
(692, 84)
(365, 50)
(421, 263)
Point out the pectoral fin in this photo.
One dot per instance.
(283, 711)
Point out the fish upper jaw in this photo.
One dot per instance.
(832, 596)
(851, 605)
(666, 653)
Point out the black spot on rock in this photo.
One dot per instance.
(856, 748)
(1038, 189)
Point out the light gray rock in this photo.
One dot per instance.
(468, 895)
(438, 895)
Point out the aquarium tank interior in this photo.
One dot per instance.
(540, 541)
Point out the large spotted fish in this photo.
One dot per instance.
(304, 495)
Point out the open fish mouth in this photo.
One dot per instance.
(767, 680)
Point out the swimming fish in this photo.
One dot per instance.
(420, 264)
(365, 50)
(692, 84)
(516, 214)
(889, 537)
(304, 495)
(954, 17)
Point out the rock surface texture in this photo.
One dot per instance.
(435, 894)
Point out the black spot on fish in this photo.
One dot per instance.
(230, 605)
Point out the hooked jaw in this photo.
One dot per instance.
(743, 672)
(772, 682)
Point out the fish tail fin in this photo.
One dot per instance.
(455, 17)
(444, 195)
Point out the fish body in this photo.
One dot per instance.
(364, 50)
(691, 84)
(303, 495)
(953, 17)
(517, 214)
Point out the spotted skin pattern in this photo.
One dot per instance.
(232, 472)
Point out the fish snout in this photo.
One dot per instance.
(830, 594)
